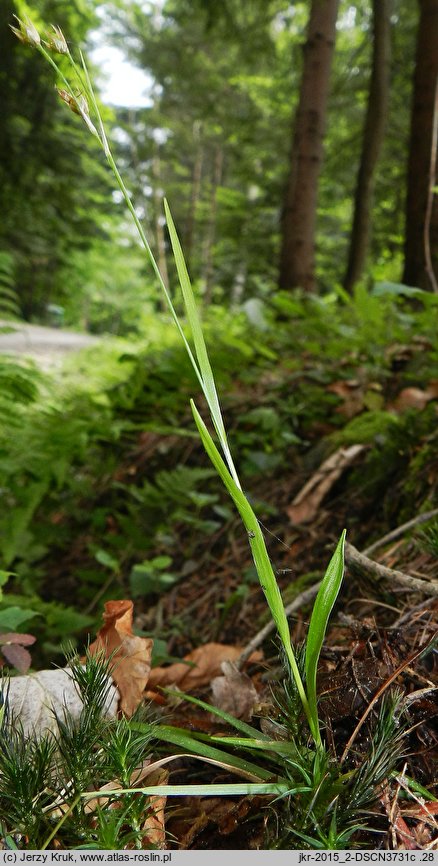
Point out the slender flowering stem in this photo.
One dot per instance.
(80, 101)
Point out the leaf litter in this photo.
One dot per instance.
(130, 655)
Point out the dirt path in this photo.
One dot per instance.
(47, 346)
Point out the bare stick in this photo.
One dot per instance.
(400, 530)
(363, 563)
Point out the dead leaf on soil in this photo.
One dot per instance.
(402, 836)
(415, 398)
(154, 826)
(199, 667)
(131, 655)
(13, 648)
(234, 692)
(352, 395)
(306, 503)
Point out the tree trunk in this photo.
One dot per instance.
(299, 208)
(211, 225)
(421, 233)
(159, 219)
(373, 135)
(194, 194)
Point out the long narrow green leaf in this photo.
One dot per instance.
(243, 727)
(209, 386)
(250, 789)
(278, 747)
(261, 560)
(327, 595)
(189, 743)
(195, 323)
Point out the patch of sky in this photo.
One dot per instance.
(347, 20)
(121, 83)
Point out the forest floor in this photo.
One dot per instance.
(325, 441)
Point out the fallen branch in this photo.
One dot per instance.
(400, 530)
(305, 506)
(380, 691)
(356, 560)
(364, 564)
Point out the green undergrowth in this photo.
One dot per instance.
(45, 774)
(102, 470)
(91, 781)
(113, 498)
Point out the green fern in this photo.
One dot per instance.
(9, 305)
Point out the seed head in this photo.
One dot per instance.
(69, 100)
(79, 105)
(56, 41)
(26, 32)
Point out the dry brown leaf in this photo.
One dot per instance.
(415, 398)
(131, 655)
(352, 394)
(18, 657)
(306, 503)
(234, 692)
(15, 638)
(154, 825)
(35, 699)
(198, 667)
(12, 646)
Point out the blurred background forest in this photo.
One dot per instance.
(295, 141)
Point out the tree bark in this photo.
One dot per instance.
(159, 218)
(421, 231)
(373, 135)
(210, 238)
(195, 193)
(297, 266)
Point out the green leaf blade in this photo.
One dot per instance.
(276, 789)
(189, 743)
(327, 595)
(208, 383)
(261, 559)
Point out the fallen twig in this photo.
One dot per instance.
(400, 530)
(380, 691)
(363, 563)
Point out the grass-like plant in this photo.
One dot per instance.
(320, 803)
(78, 93)
(80, 788)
